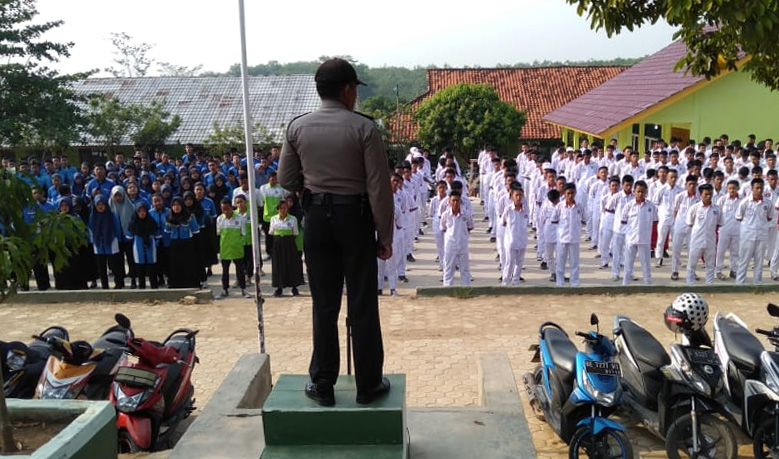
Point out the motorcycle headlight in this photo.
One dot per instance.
(15, 360)
(48, 391)
(601, 398)
(689, 374)
(128, 403)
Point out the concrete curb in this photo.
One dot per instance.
(469, 292)
(112, 296)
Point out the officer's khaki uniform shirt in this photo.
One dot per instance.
(334, 150)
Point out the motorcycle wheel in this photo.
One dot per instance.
(764, 442)
(126, 443)
(608, 444)
(715, 436)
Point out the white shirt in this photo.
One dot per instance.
(664, 198)
(637, 218)
(549, 228)
(755, 218)
(569, 222)
(704, 221)
(615, 204)
(456, 228)
(515, 220)
(728, 206)
(682, 204)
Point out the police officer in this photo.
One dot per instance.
(336, 159)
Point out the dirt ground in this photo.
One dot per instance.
(436, 342)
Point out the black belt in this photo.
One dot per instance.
(328, 199)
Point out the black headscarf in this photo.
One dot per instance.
(146, 228)
(178, 219)
(195, 209)
(295, 210)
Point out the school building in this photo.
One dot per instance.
(537, 90)
(651, 101)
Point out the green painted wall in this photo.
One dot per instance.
(732, 105)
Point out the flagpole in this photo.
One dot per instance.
(247, 127)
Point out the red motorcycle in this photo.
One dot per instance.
(153, 393)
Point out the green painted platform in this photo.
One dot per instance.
(290, 418)
(334, 452)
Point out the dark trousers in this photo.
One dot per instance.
(126, 248)
(340, 243)
(248, 261)
(41, 274)
(150, 270)
(116, 263)
(162, 264)
(268, 239)
(240, 275)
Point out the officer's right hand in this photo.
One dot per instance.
(384, 252)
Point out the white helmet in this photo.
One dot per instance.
(689, 311)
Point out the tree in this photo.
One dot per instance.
(226, 137)
(48, 237)
(37, 106)
(147, 126)
(465, 117)
(131, 57)
(168, 69)
(717, 33)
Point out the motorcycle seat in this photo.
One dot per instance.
(561, 349)
(643, 346)
(742, 346)
(118, 338)
(181, 344)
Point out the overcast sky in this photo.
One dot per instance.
(400, 32)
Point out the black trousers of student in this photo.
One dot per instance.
(41, 274)
(340, 243)
(162, 265)
(116, 263)
(248, 261)
(126, 249)
(240, 274)
(150, 270)
(268, 238)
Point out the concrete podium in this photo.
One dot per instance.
(297, 427)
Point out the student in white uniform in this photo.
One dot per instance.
(569, 217)
(389, 268)
(596, 187)
(616, 203)
(703, 218)
(456, 226)
(435, 217)
(755, 214)
(401, 200)
(681, 232)
(549, 231)
(515, 220)
(664, 199)
(638, 216)
(729, 231)
(607, 223)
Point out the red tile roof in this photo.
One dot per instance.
(538, 90)
(645, 84)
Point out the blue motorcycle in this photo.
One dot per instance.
(575, 392)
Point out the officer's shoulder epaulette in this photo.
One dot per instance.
(299, 116)
(366, 116)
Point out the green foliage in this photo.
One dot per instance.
(49, 238)
(716, 32)
(37, 108)
(224, 138)
(147, 126)
(168, 69)
(465, 117)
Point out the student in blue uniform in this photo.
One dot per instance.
(105, 231)
(183, 260)
(144, 234)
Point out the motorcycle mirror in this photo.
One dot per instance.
(594, 321)
(773, 310)
(122, 320)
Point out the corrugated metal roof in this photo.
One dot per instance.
(538, 90)
(274, 100)
(645, 84)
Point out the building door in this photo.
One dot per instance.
(682, 134)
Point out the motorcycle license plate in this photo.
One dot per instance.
(602, 368)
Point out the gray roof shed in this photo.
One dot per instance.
(199, 101)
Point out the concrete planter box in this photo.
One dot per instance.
(90, 435)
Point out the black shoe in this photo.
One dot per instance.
(732, 274)
(674, 276)
(410, 258)
(403, 279)
(652, 254)
(378, 292)
(323, 395)
(295, 291)
(373, 394)
(665, 254)
(133, 284)
(544, 266)
(277, 293)
(489, 230)
(421, 233)
(492, 239)
(553, 277)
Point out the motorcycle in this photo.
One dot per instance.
(675, 396)
(575, 392)
(22, 364)
(155, 393)
(752, 379)
(77, 369)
